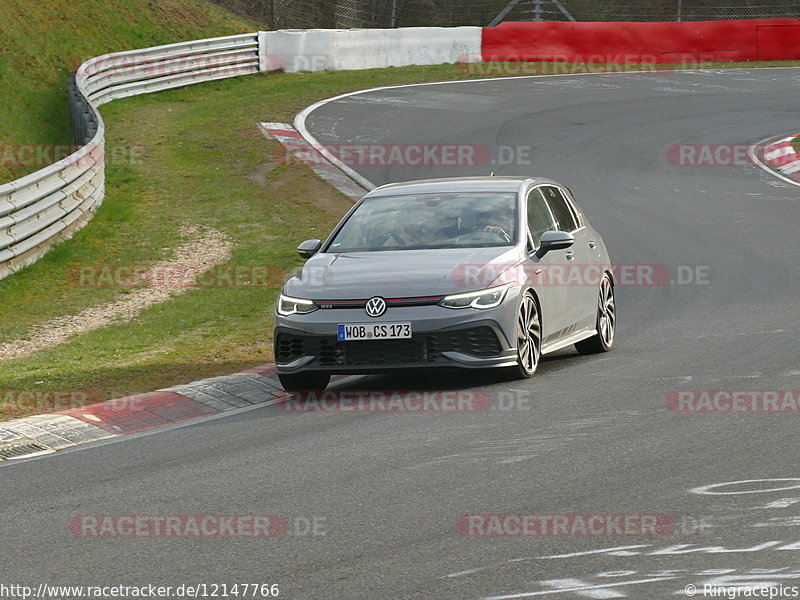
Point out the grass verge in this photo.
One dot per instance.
(192, 156)
(40, 42)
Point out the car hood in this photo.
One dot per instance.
(399, 273)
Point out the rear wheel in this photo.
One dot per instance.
(529, 338)
(304, 382)
(606, 321)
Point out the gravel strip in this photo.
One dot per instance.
(206, 249)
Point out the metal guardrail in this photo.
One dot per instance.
(52, 203)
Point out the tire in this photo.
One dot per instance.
(304, 382)
(529, 339)
(606, 325)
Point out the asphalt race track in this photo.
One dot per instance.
(586, 435)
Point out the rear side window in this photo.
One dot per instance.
(565, 218)
(539, 218)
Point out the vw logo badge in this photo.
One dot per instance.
(375, 306)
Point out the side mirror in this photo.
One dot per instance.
(309, 248)
(554, 240)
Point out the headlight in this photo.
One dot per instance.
(294, 306)
(488, 298)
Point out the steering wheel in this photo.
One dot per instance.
(498, 231)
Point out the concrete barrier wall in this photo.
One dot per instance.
(341, 49)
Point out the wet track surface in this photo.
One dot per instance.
(587, 435)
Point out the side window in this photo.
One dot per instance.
(539, 218)
(565, 219)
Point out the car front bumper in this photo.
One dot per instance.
(441, 337)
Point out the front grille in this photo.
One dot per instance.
(384, 352)
(289, 348)
(329, 351)
(475, 341)
(426, 348)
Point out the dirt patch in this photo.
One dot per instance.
(287, 181)
(325, 196)
(261, 175)
(204, 250)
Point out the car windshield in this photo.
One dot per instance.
(449, 220)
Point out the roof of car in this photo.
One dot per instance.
(457, 184)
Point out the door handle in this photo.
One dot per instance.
(592, 244)
(570, 255)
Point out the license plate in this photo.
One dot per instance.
(373, 331)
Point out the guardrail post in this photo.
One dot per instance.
(84, 123)
(262, 52)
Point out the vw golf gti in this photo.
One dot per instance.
(471, 272)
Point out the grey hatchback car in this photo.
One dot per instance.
(466, 272)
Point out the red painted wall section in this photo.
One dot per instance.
(625, 42)
(778, 42)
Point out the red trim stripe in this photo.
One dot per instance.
(388, 300)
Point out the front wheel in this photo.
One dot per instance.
(529, 338)
(304, 382)
(606, 321)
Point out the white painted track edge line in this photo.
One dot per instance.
(579, 589)
(300, 125)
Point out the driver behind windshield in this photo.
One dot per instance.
(499, 221)
(451, 220)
